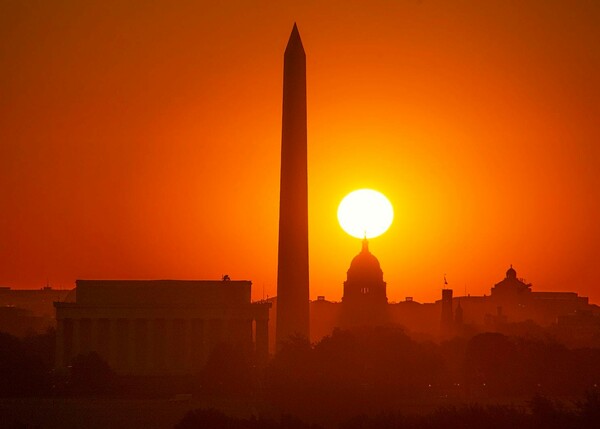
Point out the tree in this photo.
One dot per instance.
(229, 371)
(90, 374)
(22, 372)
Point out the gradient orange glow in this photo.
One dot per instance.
(143, 141)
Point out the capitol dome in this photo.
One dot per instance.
(365, 266)
(511, 273)
(364, 300)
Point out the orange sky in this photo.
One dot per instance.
(143, 141)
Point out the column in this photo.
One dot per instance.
(60, 344)
(113, 346)
(169, 345)
(197, 344)
(130, 346)
(204, 328)
(187, 346)
(94, 336)
(76, 339)
(247, 335)
(262, 341)
(150, 360)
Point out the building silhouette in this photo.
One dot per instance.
(511, 300)
(26, 311)
(170, 327)
(160, 327)
(447, 317)
(365, 300)
(458, 315)
(292, 268)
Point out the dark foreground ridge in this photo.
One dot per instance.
(365, 377)
(540, 413)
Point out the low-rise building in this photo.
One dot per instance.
(160, 327)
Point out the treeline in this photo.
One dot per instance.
(541, 413)
(213, 419)
(26, 364)
(27, 369)
(363, 369)
(374, 369)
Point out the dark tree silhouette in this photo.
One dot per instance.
(351, 370)
(213, 419)
(542, 414)
(229, 371)
(91, 375)
(42, 346)
(589, 408)
(22, 373)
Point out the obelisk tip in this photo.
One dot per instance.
(295, 42)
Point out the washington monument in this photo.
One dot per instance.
(292, 269)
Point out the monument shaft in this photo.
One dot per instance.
(292, 271)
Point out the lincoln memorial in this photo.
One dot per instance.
(160, 327)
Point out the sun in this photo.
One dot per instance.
(365, 212)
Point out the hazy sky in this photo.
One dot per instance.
(142, 140)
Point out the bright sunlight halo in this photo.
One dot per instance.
(365, 212)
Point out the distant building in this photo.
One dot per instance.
(40, 302)
(28, 311)
(324, 316)
(511, 289)
(20, 322)
(365, 303)
(160, 327)
(511, 300)
(447, 318)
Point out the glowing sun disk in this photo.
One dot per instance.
(365, 212)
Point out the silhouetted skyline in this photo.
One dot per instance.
(144, 142)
